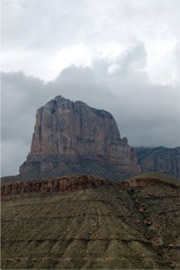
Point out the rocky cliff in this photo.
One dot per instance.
(160, 159)
(71, 137)
(79, 182)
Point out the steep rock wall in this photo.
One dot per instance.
(71, 137)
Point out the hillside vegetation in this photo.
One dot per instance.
(100, 227)
(168, 178)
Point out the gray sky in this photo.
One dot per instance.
(118, 55)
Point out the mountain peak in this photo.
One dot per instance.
(71, 137)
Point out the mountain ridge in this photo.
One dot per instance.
(160, 158)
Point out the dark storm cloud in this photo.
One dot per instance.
(147, 114)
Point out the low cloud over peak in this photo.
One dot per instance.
(121, 55)
(148, 114)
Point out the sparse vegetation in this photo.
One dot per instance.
(158, 175)
(96, 228)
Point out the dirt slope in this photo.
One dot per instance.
(105, 226)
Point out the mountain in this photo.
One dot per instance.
(82, 222)
(160, 159)
(71, 138)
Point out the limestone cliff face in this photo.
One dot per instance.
(72, 137)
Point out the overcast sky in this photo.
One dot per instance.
(120, 55)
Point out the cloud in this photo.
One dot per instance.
(119, 55)
(13, 153)
(42, 38)
(148, 114)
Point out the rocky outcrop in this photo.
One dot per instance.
(160, 159)
(71, 137)
(75, 183)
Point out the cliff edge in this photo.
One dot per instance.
(72, 138)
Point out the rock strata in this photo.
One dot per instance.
(75, 183)
(71, 137)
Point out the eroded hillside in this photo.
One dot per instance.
(91, 224)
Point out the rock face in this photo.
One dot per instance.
(71, 137)
(160, 159)
(74, 183)
(68, 184)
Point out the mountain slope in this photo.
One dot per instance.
(160, 159)
(91, 224)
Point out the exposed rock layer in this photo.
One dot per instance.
(74, 138)
(74, 183)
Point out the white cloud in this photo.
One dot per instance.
(43, 33)
(79, 55)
